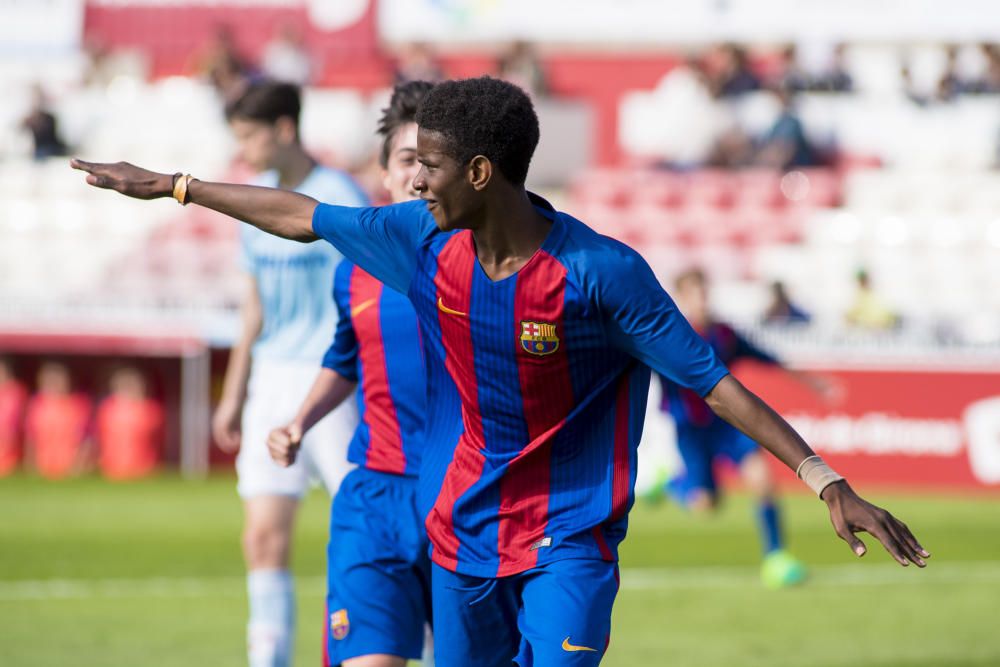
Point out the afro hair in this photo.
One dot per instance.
(484, 116)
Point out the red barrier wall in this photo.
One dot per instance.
(897, 427)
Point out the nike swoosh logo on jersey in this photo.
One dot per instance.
(361, 307)
(445, 309)
(566, 646)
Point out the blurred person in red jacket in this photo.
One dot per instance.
(13, 398)
(56, 425)
(129, 427)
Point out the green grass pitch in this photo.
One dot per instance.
(150, 574)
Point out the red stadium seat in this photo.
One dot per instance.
(711, 188)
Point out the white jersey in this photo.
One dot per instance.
(295, 280)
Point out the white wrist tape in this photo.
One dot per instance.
(816, 474)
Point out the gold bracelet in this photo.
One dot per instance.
(181, 188)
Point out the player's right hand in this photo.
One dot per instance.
(283, 443)
(126, 178)
(226, 426)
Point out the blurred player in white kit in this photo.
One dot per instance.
(287, 316)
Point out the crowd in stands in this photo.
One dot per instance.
(287, 58)
(868, 311)
(702, 99)
(58, 431)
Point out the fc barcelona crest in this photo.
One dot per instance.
(339, 625)
(539, 337)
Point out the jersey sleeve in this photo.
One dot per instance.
(342, 355)
(382, 240)
(642, 320)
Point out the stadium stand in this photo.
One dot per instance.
(904, 189)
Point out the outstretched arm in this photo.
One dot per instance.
(279, 212)
(849, 513)
(644, 321)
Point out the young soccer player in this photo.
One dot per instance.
(286, 315)
(378, 583)
(703, 438)
(13, 400)
(129, 427)
(547, 331)
(57, 425)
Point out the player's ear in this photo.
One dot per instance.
(286, 130)
(480, 172)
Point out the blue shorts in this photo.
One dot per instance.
(378, 571)
(553, 615)
(701, 446)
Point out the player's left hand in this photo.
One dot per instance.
(852, 514)
(126, 178)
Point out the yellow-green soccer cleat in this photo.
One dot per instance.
(781, 570)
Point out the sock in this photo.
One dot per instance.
(769, 525)
(271, 628)
(679, 489)
(427, 655)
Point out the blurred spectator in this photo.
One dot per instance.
(868, 310)
(990, 83)
(785, 145)
(220, 63)
(733, 76)
(835, 78)
(520, 65)
(691, 119)
(417, 63)
(42, 125)
(733, 149)
(950, 85)
(793, 77)
(13, 398)
(129, 428)
(56, 424)
(781, 309)
(909, 87)
(286, 58)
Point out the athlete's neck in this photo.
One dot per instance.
(294, 168)
(511, 232)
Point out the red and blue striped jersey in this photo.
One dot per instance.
(685, 406)
(537, 383)
(377, 345)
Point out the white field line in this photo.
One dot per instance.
(887, 574)
(638, 579)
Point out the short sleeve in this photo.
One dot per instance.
(382, 240)
(642, 320)
(342, 355)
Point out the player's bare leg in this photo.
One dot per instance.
(779, 568)
(266, 545)
(701, 501)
